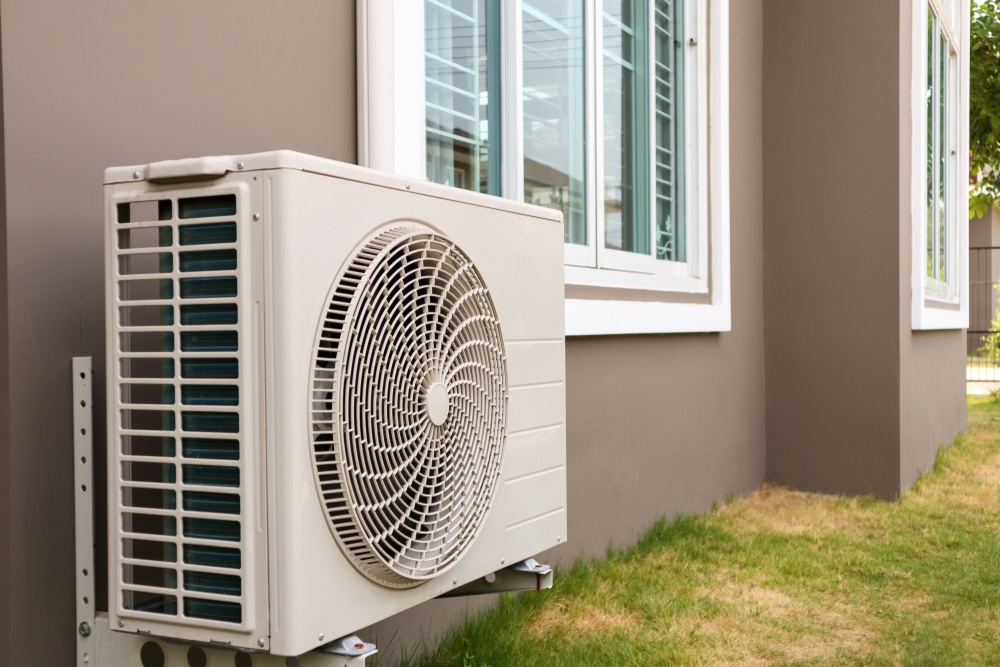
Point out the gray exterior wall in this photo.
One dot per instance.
(857, 402)
(92, 85)
(5, 443)
(831, 244)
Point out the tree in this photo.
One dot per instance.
(984, 106)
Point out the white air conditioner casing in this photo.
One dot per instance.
(285, 469)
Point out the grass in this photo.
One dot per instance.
(780, 578)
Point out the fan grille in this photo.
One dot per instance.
(409, 403)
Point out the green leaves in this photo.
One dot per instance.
(984, 106)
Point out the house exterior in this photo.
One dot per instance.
(766, 257)
(984, 276)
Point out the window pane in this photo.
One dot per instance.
(626, 219)
(942, 152)
(942, 164)
(554, 99)
(461, 40)
(669, 103)
(931, 172)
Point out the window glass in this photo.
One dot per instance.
(942, 152)
(554, 96)
(669, 105)
(623, 56)
(941, 174)
(931, 144)
(461, 86)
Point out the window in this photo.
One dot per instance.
(597, 108)
(942, 60)
(554, 99)
(940, 238)
(461, 70)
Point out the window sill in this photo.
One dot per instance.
(940, 315)
(628, 280)
(611, 316)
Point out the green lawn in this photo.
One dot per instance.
(781, 578)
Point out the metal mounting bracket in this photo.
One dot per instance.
(528, 575)
(83, 478)
(97, 645)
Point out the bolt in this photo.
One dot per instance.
(239, 165)
(260, 642)
(503, 560)
(121, 624)
(256, 216)
(407, 186)
(86, 658)
(85, 629)
(558, 538)
(454, 581)
(321, 636)
(359, 647)
(135, 174)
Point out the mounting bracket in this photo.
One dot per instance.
(97, 645)
(528, 575)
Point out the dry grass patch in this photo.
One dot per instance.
(777, 509)
(579, 619)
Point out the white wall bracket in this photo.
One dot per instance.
(97, 645)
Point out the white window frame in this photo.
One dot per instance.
(392, 138)
(935, 304)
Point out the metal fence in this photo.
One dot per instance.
(983, 340)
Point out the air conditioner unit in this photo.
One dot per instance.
(332, 394)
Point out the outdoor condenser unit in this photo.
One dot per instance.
(332, 394)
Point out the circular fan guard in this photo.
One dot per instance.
(409, 404)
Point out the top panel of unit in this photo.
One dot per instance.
(217, 166)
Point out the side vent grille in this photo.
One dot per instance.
(180, 408)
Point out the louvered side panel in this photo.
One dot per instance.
(181, 359)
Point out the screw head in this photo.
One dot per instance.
(239, 165)
(256, 216)
(322, 636)
(135, 175)
(85, 629)
(503, 560)
(260, 642)
(121, 624)
(407, 186)
(558, 538)
(454, 581)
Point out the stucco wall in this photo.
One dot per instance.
(5, 523)
(96, 84)
(831, 240)
(932, 397)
